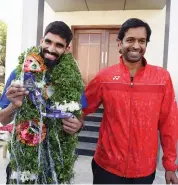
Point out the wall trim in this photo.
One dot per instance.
(166, 36)
(40, 21)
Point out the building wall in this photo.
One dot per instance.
(172, 63)
(14, 36)
(155, 18)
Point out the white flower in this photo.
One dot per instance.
(6, 136)
(71, 107)
(13, 175)
(40, 84)
(76, 106)
(56, 104)
(32, 177)
(24, 176)
(62, 107)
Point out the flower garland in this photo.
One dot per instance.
(41, 151)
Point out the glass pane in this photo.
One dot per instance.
(113, 38)
(83, 38)
(95, 38)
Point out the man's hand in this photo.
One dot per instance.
(72, 125)
(171, 177)
(15, 94)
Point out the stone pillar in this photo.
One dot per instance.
(32, 23)
(24, 29)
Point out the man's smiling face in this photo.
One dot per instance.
(52, 46)
(133, 45)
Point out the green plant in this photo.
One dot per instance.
(3, 37)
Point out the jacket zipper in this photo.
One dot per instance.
(131, 86)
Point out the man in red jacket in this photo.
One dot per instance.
(138, 100)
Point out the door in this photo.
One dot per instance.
(95, 49)
(89, 47)
(111, 48)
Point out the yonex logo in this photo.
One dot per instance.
(116, 77)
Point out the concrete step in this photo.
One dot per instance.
(95, 117)
(100, 110)
(87, 149)
(88, 136)
(91, 126)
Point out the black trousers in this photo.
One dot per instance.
(101, 176)
(8, 173)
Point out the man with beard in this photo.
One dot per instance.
(54, 44)
(138, 99)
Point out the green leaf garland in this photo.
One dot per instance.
(57, 150)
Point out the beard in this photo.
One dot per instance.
(48, 62)
(132, 57)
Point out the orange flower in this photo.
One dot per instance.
(28, 134)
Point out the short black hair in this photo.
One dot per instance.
(61, 29)
(134, 23)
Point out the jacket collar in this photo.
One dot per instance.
(122, 65)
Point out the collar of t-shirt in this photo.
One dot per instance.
(131, 79)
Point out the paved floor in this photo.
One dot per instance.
(3, 164)
(83, 174)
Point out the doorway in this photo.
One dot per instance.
(95, 48)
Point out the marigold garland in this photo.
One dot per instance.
(54, 164)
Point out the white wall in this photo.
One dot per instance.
(173, 49)
(49, 15)
(22, 30)
(155, 18)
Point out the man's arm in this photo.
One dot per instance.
(92, 95)
(7, 114)
(168, 127)
(11, 99)
(6, 109)
(15, 94)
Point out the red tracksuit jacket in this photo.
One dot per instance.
(133, 114)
